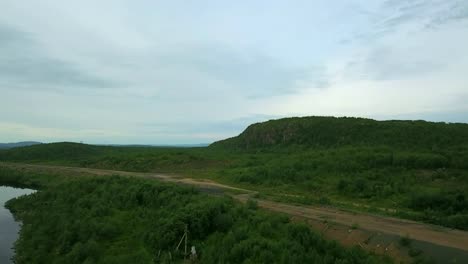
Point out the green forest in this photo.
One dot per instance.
(91, 219)
(410, 169)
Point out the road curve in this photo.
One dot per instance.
(388, 225)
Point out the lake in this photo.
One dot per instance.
(8, 227)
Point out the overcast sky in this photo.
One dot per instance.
(164, 72)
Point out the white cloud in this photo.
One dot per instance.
(402, 73)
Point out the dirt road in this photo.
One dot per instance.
(393, 226)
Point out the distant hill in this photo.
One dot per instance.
(18, 144)
(157, 145)
(69, 151)
(333, 132)
(52, 151)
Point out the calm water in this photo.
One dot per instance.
(8, 227)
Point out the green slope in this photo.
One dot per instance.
(334, 132)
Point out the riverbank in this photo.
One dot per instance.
(9, 228)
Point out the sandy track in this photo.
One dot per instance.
(389, 225)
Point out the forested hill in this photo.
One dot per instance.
(332, 132)
(53, 151)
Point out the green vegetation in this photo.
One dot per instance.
(405, 241)
(410, 169)
(416, 254)
(330, 132)
(107, 219)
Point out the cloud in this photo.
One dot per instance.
(414, 15)
(406, 43)
(215, 68)
(25, 64)
(384, 62)
(218, 129)
(16, 130)
(196, 71)
(432, 12)
(404, 72)
(169, 132)
(187, 70)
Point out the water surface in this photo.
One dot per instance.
(8, 227)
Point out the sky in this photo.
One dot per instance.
(183, 72)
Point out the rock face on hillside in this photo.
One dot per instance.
(332, 132)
